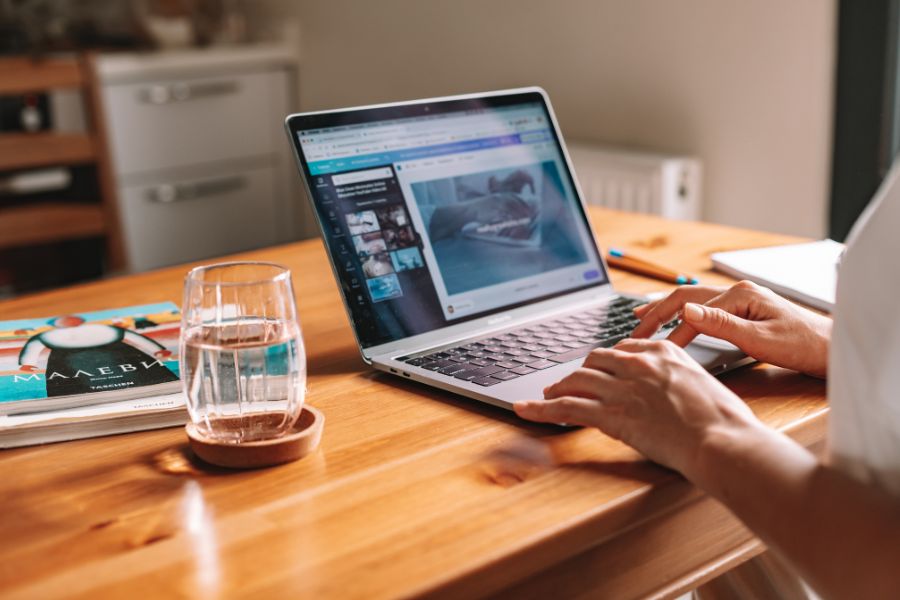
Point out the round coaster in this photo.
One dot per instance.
(303, 439)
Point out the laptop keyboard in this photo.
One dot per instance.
(516, 353)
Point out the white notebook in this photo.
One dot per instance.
(805, 272)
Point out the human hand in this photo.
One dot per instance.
(651, 395)
(753, 318)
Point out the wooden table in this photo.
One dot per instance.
(413, 491)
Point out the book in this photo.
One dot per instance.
(805, 272)
(81, 359)
(92, 421)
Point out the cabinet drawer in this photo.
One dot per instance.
(190, 219)
(164, 124)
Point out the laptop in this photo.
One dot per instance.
(461, 245)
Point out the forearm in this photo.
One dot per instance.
(842, 536)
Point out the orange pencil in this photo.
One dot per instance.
(619, 260)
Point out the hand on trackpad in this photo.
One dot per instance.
(703, 340)
(711, 342)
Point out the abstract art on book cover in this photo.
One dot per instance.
(89, 352)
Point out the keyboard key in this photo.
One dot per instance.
(437, 365)
(580, 352)
(575, 344)
(542, 364)
(542, 354)
(479, 362)
(525, 359)
(506, 364)
(505, 375)
(486, 381)
(523, 370)
(470, 374)
(417, 362)
(558, 349)
(456, 368)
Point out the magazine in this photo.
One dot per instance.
(111, 418)
(88, 358)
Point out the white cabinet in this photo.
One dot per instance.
(202, 164)
(194, 217)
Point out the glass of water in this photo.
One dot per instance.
(243, 365)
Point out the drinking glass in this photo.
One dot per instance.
(243, 365)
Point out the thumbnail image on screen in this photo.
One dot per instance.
(361, 222)
(369, 243)
(500, 225)
(407, 259)
(384, 288)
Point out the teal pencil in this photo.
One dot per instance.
(620, 260)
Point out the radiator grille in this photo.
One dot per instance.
(669, 186)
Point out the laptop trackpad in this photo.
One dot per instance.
(716, 356)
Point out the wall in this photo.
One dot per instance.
(746, 86)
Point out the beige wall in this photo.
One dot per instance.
(746, 86)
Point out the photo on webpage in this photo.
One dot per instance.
(377, 265)
(384, 288)
(369, 243)
(361, 222)
(500, 225)
(407, 259)
(399, 238)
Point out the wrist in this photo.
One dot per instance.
(820, 334)
(735, 462)
(724, 449)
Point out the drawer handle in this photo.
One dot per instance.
(182, 92)
(168, 193)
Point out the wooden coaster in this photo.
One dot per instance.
(303, 439)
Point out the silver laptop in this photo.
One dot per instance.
(460, 242)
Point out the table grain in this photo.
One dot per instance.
(413, 492)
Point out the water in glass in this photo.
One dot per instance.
(243, 361)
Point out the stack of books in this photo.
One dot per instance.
(90, 374)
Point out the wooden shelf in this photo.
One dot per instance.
(49, 222)
(24, 75)
(25, 150)
(44, 222)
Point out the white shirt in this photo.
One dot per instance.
(864, 361)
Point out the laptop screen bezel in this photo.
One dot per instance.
(300, 122)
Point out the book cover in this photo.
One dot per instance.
(111, 352)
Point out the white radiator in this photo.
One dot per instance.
(669, 186)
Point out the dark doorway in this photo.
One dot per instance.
(867, 118)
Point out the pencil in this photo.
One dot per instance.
(620, 260)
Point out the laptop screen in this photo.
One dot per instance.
(442, 212)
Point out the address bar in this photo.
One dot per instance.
(377, 144)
